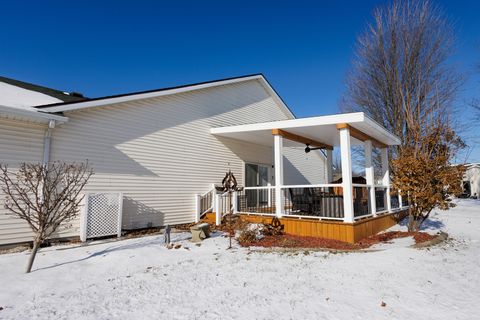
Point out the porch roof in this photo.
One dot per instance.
(322, 129)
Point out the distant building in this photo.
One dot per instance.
(471, 181)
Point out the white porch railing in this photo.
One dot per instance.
(204, 203)
(319, 201)
(213, 201)
(259, 200)
(312, 201)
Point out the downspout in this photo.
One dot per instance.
(47, 142)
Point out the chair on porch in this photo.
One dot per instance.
(301, 199)
(360, 201)
(327, 204)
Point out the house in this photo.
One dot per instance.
(162, 151)
(24, 95)
(471, 181)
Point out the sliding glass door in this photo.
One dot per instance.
(256, 175)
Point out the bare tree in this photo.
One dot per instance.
(401, 67)
(476, 101)
(476, 104)
(44, 196)
(402, 78)
(337, 167)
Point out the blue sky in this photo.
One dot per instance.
(304, 48)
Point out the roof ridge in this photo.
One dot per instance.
(148, 91)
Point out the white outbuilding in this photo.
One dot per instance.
(471, 180)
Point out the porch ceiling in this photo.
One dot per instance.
(322, 129)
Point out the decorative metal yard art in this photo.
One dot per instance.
(229, 186)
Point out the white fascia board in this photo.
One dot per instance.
(349, 118)
(34, 116)
(381, 130)
(147, 95)
(294, 123)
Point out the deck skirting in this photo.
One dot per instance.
(336, 230)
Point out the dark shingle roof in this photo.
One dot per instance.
(154, 90)
(65, 97)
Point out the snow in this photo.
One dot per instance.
(394, 243)
(140, 278)
(13, 96)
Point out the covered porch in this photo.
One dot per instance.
(345, 201)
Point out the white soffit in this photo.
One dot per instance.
(322, 129)
(29, 115)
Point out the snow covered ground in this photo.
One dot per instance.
(141, 279)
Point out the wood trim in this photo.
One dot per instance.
(309, 228)
(367, 227)
(301, 139)
(336, 230)
(357, 134)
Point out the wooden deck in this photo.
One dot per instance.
(337, 230)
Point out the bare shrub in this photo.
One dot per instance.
(247, 236)
(424, 173)
(45, 196)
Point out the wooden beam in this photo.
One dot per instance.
(300, 139)
(357, 134)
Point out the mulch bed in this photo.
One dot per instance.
(291, 241)
(156, 230)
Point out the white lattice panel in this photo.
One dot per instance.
(103, 215)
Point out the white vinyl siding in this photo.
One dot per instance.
(19, 142)
(159, 152)
(303, 168)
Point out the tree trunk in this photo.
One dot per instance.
(36, 245)
(414, 223)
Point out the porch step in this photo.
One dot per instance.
(209, 217)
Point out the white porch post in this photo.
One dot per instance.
(197, 207)
(346, 174)
(278, 153)
(386, 176)
(329, 165)
(400, 206)
(218, 209)
(269, 195)
(234, 202)
(369, 176)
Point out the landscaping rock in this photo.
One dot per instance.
(257, 229)
(440, 237)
